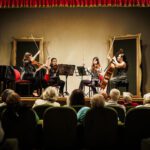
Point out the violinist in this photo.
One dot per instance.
(121, 68)
(96, 76)
(28, 69)
(54, 76)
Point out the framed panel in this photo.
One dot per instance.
(132, 48)
(26, 44)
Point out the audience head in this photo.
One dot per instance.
(127, 97)
(76, 97)
(97, 100)
(146, 98)
(6, 93)
(50, 93)
(114, 94)
(13, 99)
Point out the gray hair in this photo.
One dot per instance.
(115, 94)
(97, 100)
(50, 93)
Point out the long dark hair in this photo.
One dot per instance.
(77, 97)
(93, 67)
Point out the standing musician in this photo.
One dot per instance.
(121, 67)
(54, 76)
(96, 76)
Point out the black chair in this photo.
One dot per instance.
(59, 128)
(137, 125)
(40, 109)
(120, 111)
(21, 125)
(100, 128)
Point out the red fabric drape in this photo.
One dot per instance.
(72, 3)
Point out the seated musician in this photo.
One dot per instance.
(96, 76)
(28, 69)
(121, 66)
(54, 79)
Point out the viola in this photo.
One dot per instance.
(36, 64)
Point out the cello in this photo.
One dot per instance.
(108, 70)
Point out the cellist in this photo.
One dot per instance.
(121, 67)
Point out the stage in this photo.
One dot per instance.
(29, 101)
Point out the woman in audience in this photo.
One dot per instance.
(4, 96)
(128, 101)
(76, 98)
(97, 101)
(114, 97)
(48, 97)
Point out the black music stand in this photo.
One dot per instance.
(67, 70)
(81, 71)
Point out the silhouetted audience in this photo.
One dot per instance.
(4, 96)
(146, 101)
(76, 98)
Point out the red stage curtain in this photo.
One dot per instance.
(72, 3)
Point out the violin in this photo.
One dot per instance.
(36, 63)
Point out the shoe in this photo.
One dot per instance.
(35, 94)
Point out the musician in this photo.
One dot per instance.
(28, 69)
(54, 76)
(96, 76)
(121, 68)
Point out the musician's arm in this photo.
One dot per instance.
(120, 65)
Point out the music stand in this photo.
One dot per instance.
(67, 70)
(82, 71)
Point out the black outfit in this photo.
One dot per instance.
(121, 75)
(92, 83)
(55, 79)
(28, 71)
(29, 74)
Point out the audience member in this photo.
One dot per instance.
(114, 97)
(146, 101)
(97, 101)
(4, 96)
(128, 100)
(48, 97)
(76, 98)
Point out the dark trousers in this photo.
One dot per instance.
(57, 82)
(87, 83)
(113, 82)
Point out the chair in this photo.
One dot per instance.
(22, 87)
(40, 109)
(21, 125)
(120, 111)
(137, 125)
(59, 128)
(100, 128)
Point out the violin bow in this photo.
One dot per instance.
(34, 57)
